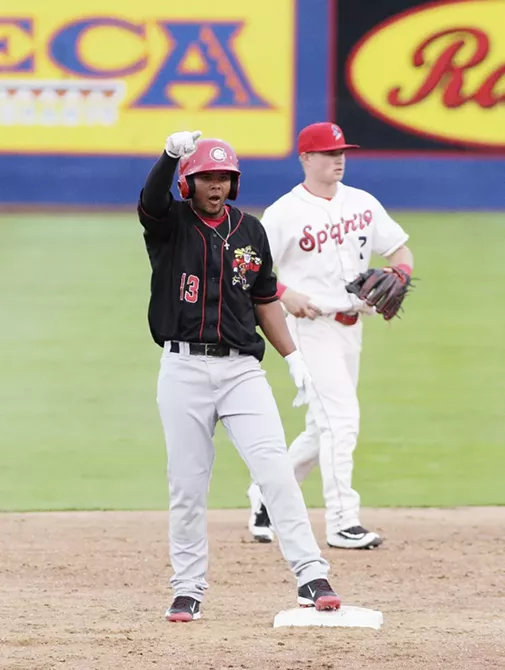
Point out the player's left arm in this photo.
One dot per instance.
(269, 313)
(389, 239)
(386, 288)
(272, 321)
(401, 257)
(264, 289)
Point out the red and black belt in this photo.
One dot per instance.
(347, 318)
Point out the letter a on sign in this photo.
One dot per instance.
(221, 68)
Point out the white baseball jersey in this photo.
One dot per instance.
(319, 245)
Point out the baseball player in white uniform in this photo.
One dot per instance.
(322, 234)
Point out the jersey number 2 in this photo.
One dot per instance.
(189, 288)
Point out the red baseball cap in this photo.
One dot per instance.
(324, 136)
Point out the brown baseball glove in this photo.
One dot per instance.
(385, 289)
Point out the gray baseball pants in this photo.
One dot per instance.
(194, 392)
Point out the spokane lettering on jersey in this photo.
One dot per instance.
(336, 232)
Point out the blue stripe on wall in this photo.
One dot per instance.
(425, 182)
(411, 183)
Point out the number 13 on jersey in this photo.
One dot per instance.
(189, 288)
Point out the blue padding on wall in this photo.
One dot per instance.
(465, 183)
(415, 182)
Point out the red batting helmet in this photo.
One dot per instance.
(322, 137)
(209, 156)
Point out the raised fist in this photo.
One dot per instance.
(180, 145)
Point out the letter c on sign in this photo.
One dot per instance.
(64, 47)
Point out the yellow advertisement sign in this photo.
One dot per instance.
(119, 77)
(437, 70)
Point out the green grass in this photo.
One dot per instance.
(79, 427)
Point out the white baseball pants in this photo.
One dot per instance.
(332, 354)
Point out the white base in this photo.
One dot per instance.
(347, 616)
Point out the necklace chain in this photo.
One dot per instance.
(225, 239)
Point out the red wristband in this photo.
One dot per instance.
(280, 289)
(406, 268)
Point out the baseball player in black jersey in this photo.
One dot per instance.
(212, 284)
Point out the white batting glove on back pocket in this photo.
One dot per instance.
(183, 144)
(301, 377)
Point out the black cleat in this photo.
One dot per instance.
(319, 594)
(260, 526)
(184, 608)
(356, 537)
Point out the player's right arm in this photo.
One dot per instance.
(156, 198)
(296, 303)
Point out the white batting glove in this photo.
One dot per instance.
(301, 376)
(181, 145)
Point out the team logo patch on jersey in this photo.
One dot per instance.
(218, 154)
(246, 260)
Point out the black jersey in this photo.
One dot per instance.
(202, 291)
